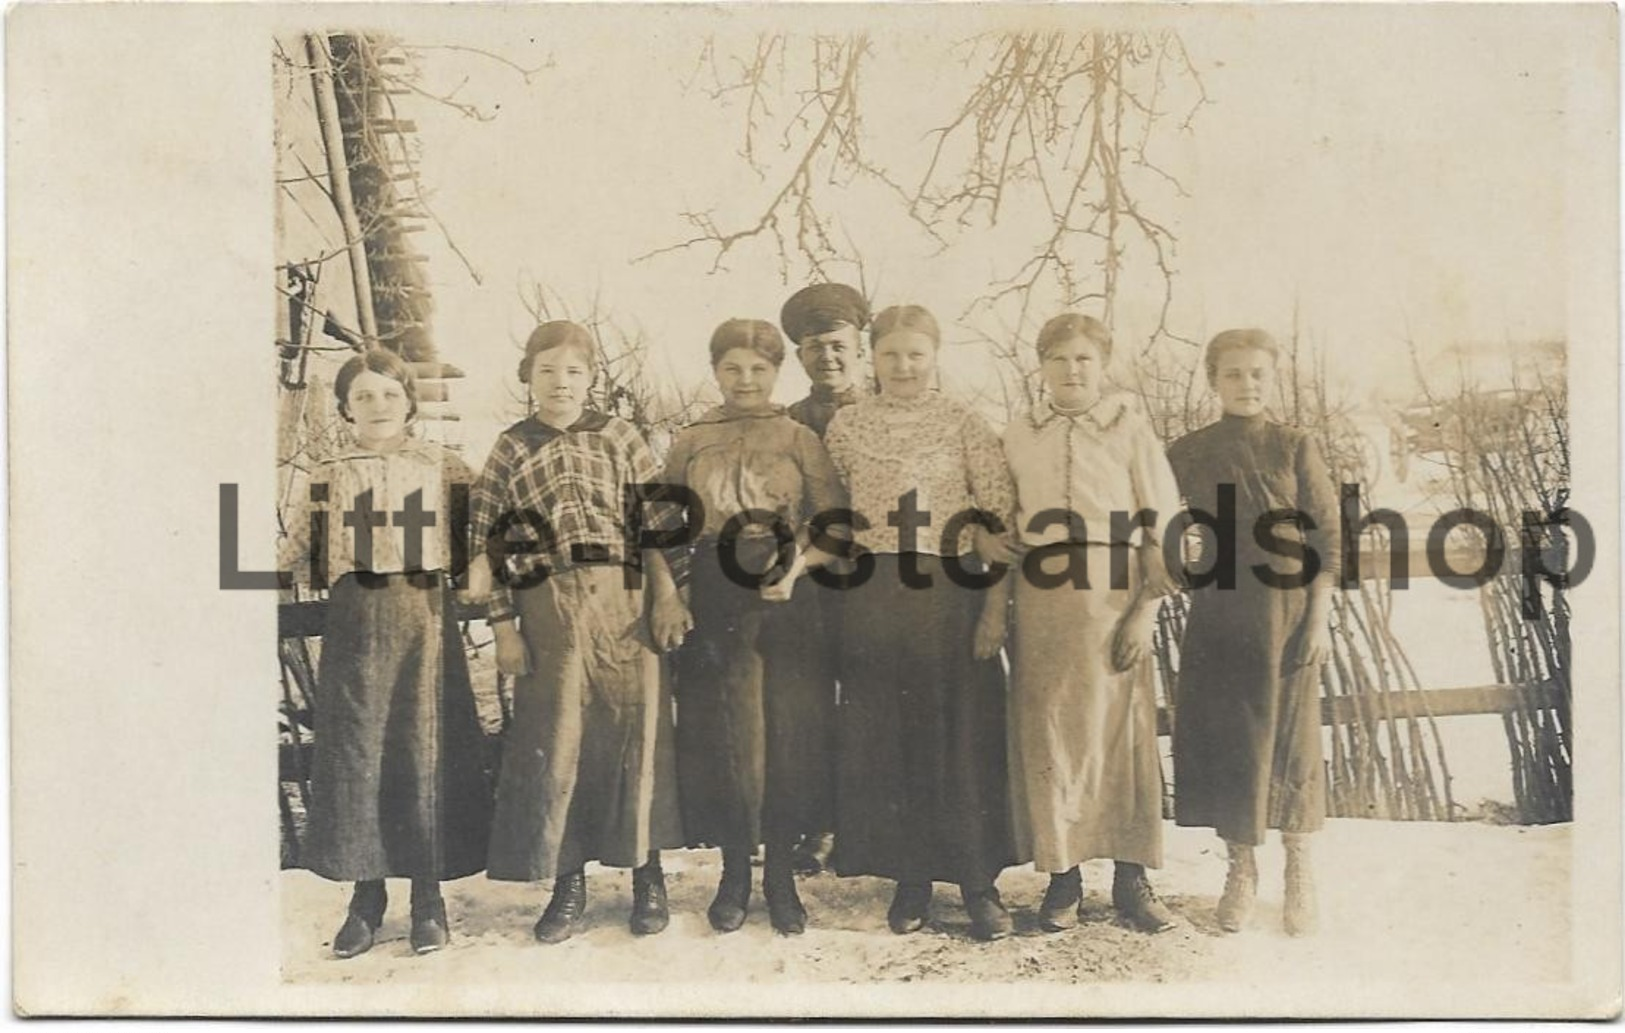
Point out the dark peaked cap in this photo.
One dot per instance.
(821, 308)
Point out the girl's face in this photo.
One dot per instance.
(559, 381)
(378, 405)
(1244, 379)
(904, 361)
(1073, 370)
(831, 358)
(746, 379)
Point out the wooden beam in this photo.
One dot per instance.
(338, 173)
(1463, 559)
(1468, 701)
(309, 619)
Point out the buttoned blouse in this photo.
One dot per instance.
(939, 448)
(350, 486)
(735, 462)
(1104, 460)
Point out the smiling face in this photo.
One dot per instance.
(379, 407)
(831, 358)
(1073, 370)
(746, 378)
(559, 381)
(904, 361)
(1244, 379)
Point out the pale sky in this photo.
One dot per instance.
(1386, 169)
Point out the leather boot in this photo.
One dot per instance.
(910, 906)
(366, 914)
(988, 918)
(1299, 914)
(1059, 911)
(728, 908)
(429, 929)
(1137, 902)
(567, 911)
(1240, 888)
(650, 913)
(784, 907)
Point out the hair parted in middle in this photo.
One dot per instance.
(557, 333)
(1068, 325)
(757, 335)
(905, 317)
(1249, 339)
(381, 361)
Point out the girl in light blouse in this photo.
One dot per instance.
(1085, 776)
(397, 785)
(922, 792)
(754, 742)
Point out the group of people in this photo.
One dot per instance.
(847, 682)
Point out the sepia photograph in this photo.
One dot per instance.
(866, 511)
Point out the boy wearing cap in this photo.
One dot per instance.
(825, 323)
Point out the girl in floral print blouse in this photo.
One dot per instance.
(921, 783)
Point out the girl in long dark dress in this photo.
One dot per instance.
(754, 677)
(1247, 749)
(922, 789)
(397, 785)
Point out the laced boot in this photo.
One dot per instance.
(1137, 902)
(1059, 911)
(784, 907)
(1299, 913)
(567, 911)
(367, 905)
(988, 918)
(727, 910)
(910, 905)
(1240, 888)
(430, 931)
(650, 913)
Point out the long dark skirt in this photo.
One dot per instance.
(588, 767)
(1247, 751)
(397, 786)
(922, 788)
(755, 702)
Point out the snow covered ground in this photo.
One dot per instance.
(1467, 902)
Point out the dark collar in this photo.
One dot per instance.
(821, 395)
(534, 433)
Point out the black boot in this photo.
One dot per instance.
(910, 906)
(1059, 911)
(727, 911)
(367, 905)
(429, 929)
(650, 913)
(988, 918)
(566, 911)
(784, 907)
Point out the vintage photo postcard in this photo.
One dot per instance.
(1065, 511)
